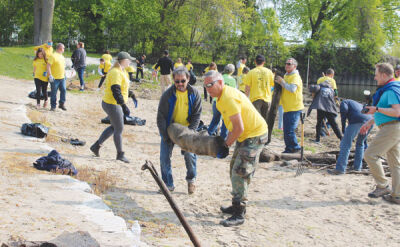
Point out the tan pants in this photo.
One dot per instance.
(387, 141)
(165, 82)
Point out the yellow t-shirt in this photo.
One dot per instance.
(116, 76)
(292, 101)
(154, 67)
(240, 69)
(40, 67)
(181, 110)
(47, 50)
(232, 102)
(106, 66)
(327, 78)
(130, 69)
(242, 80)
(176, 65)
(57, 62)
(107, 57)
(189, 67)
(208, 69)
(260, 80)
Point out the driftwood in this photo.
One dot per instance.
(276, 96)
(268, 156)
(194, 142)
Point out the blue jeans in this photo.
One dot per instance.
(290, 122)
(212, 127)
(165, 161)
(80, 72)
(58, 84)
(351, 131)
(280, 117)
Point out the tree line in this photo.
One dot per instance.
(216, 30)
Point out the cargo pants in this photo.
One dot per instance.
(243, 165)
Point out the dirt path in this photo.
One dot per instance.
(315, 209)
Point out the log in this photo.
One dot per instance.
(268, 156)
(276, 96)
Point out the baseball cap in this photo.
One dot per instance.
(124, 55)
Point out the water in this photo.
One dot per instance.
(354, 92)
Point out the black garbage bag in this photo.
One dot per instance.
(53, 162)
(32, 94)
(35, 130)
(127, 120)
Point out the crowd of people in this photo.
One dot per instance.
(242, 103)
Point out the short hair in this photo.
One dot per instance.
(59, 45)
(330, 71)
(107, 52)
(260, 59)
(242, 58)
(166, 52)
(101, 60)
(245, 70)
(81, 44)
(229, 69)
(385, 68)
(294, 61)
(215, 75)
(181, 70)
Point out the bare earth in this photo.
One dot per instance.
(314, 209)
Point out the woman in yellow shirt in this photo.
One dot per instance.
(114, 104)
(40, 76)
(178, 63)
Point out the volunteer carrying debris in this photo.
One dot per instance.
(249, 129)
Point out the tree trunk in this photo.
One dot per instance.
(43, 20)
(322, 158)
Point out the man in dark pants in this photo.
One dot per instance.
(180, 103)
(79, 62)
(140, 66)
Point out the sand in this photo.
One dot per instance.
(315, 209)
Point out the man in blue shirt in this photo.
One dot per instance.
(351, 110)
(386, 112)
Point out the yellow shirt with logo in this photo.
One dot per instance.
(181, 109)
(106, 66)
(130, 69)
(116, 76)
(260, 80)
(107, 57)
(232, 102)
(176, 65)
(57, 62)
(292, 101)
(47, 50)
(40, 67)
(327, 78)
(240, 69)
(189, 67)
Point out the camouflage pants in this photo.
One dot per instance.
(243, 165)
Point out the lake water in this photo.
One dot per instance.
(355, 92)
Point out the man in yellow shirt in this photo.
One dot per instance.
(330, 73)
(397, 72)
(292, 102)
(258, 86)
(180, 103)
(56, 73)
(47, 47)
(249, 130)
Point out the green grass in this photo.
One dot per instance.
(16, 62)
(69, 54)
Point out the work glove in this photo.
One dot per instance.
(51, 79)
(133, 96)
(126, 110)
(223, 151)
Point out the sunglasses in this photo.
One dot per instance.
(181, 81)
(208, 85)
(289, 63)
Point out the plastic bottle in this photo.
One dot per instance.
(136, 230)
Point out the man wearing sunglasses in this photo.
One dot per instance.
(249, 129)
(292, 102)
(180, 103)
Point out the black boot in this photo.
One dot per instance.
(229, 210)
(121, 157)
(62, 106)
(95, 148)
(237, 217)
